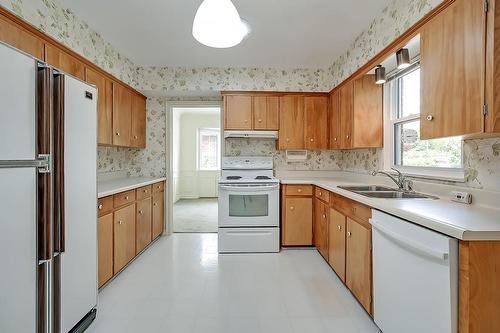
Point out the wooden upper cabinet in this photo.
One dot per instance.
(321, 216)
(266, 112)
(124, 236)
(16, 36)
(367, 122)
(492, 119)
(452, 60)
(104, 105)
(291, 133)
(67, 63)
(334, 116)
(122, 115)
(359, 262)
(138, 136)
(336, 242)
(346, 97)
(297, 223)
(238, 112)
(316, 122)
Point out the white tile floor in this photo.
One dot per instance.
(182, 285)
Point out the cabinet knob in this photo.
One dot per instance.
(120, 222)
(287, 139)
(334, 139)
(246, 120)
(430, 117)
(299, 190)
(145, 191)
(324, 216)
(339, 227)
(347, 136)
(155, 204)
(158, 187)
(126, 197)
(118, 133)
(320, 193)
(260, 120)
(311, 139)
(135, 136)
(292, 207)
(141, 212)
(100, 206)
(349, 234)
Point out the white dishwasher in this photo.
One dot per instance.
(415, 277)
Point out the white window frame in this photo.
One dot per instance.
(198, 150)
(390, 120)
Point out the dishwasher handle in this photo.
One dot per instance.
(409, 243)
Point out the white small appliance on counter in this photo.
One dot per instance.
(248, 206)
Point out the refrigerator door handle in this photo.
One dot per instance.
(43, 163)
(59, 194)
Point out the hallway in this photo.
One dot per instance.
(182, 285)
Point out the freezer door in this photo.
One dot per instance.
(79, 258)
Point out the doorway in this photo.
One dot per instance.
(195, 167)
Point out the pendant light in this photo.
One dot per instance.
(380, 77)
(218, 24)
(403, 58)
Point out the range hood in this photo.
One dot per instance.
(252, 134)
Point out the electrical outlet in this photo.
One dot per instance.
(462, 197)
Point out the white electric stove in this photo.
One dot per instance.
(248, 206)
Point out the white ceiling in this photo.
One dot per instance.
(285, 33)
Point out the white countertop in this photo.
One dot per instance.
(465, 222)
(117, 185)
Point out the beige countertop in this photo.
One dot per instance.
(465, 222)
(117, 185)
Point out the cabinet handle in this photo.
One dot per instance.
(117, 133)
(155, 204)
(324, 216)
(299, 190)
(135, 136)
(246, 120)
(141, 212)
(287, 139)
(158, 187)
(126, 197)
(120, 222)
(339, 227)
(430, 117)
(145, 191)
(100, 206)
(311, 139)
(347, 136)
(320, 193)
(292, 207)
(349, 234)
(260, 120)
(334, 139)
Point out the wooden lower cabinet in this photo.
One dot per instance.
(359, 262)
(124, 236)
(321, 216)
(143, 224)
(297, 221)
(105, 248)
(336, 242)
(158, 214)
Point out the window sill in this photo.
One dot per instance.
(446, 174)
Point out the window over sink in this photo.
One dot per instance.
(436, 158)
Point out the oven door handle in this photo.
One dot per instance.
(257, 188)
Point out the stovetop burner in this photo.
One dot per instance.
(233, 177)
(262, 177)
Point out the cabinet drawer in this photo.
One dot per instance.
(352, 209)
(104, 205)
(124, 198)
(322, 194)
(158, 187)
(143, 192)
(299, 190)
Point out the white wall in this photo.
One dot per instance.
(189, 182)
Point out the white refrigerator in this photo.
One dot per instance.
(48, 222)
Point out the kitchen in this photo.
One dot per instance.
(307, 131)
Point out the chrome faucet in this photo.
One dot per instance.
(403, 183)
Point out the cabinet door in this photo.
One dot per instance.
(266, 112)
(124, 232)
(334, 109)
(67, 63)
(291, 134)
(368, 113)
(238, 112)
(316, 120)
(104, 105)
(17, 37)
(336, 242)
(452, 61)
(158, 214)
(297, 222)
(346, 108)
(272, 115)
(143, 224)
(138, 138)
(359, 262)
(105, 248)
(321, 227)
(122, 115)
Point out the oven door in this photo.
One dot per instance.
(248, 205)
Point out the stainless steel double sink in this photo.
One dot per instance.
(383, 192)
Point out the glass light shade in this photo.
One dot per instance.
(380, 77)
(218, 24)
(403, 58)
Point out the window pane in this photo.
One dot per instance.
(410, 94)
(248, 205)
(208, 149)
(411, 151)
